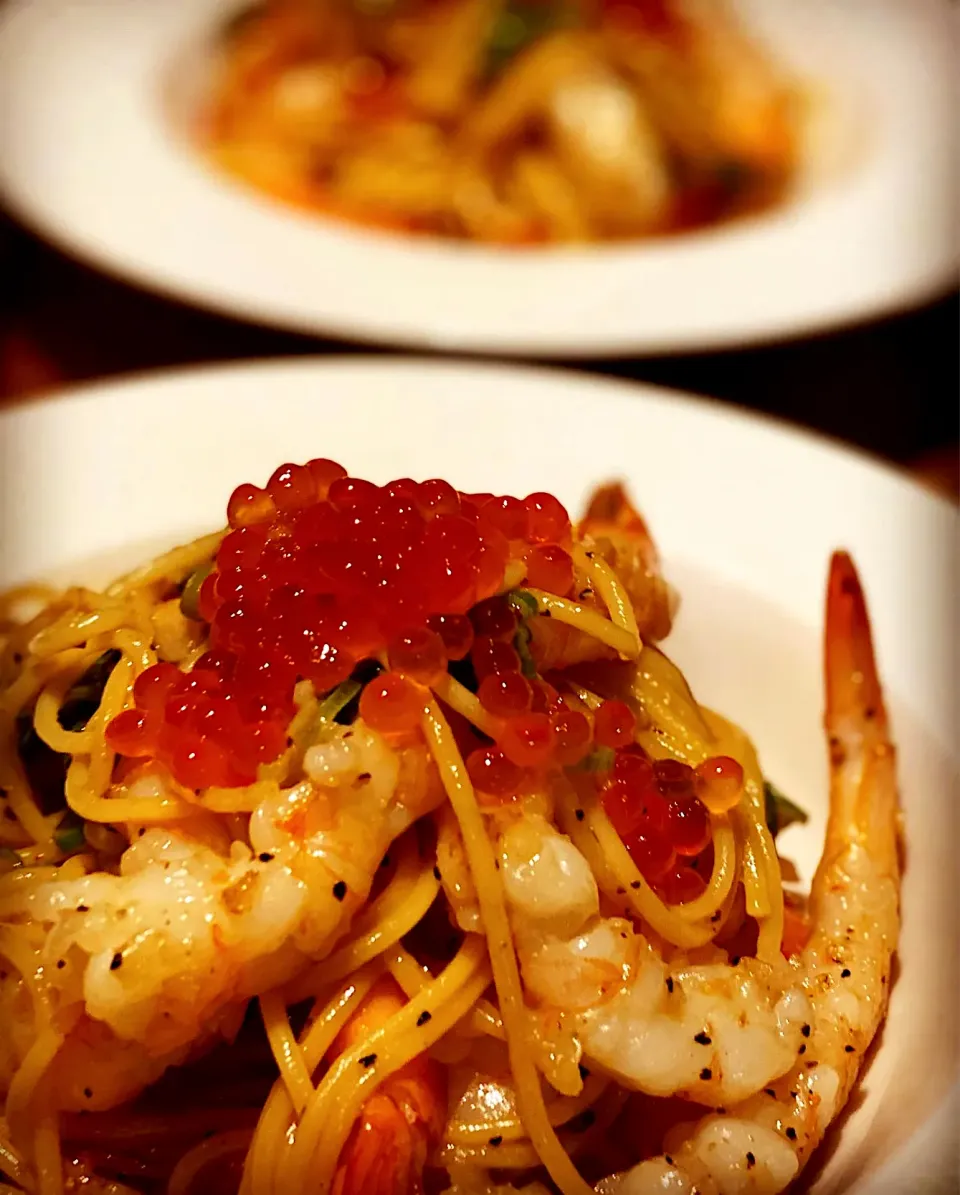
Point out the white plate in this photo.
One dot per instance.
(746, 512)
(92, 103)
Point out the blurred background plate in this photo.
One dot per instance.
(746, 513)
(93, 154)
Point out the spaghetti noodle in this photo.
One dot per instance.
(509, 122)
(226, 935)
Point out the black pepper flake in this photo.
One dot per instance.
(669, 985)
(579, 814)
(88, 1093)
(385, 861)
(706, 1074)
(423, 1018)
(720, 1111)
(83, 908)
(584, 1072)
(802, 1050)
(751, 1160)
(702, 1039)
(805, 1030)
(794, 1095)
(364, 778)
(770, 1092)
(635, 885)
(792, 1133)
(669, 1161)
(735, 961)
(716, 917)
(495, 1141)
(496, 865)
(60, 964)
(436, 872)
(584, 594)
(289, 741)
(621, 891)
(116, 961)
(845, 973)
(339, 890)
(849, 1049)
(368, 1060)
(265, 856)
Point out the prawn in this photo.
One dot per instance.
(704, 1030)
(760, 1145)
(149, 963)
(613, 531)
(402, 1122)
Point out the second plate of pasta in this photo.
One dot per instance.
(507, 176)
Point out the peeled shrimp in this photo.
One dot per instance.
(707, 1030)
(760, 1145)
(161, 957)
(401, 1123)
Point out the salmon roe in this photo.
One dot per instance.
(320, 571)
(665, 827)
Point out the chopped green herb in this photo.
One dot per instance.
(600, 760)
(337, 699)
(69, 835)
(524, 603)
(521, 642)
(780, 810)
(190, 596)
(516, 26)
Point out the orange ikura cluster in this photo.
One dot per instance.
(320, 571)
(661, 810)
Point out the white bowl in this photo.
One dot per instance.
(746, 511)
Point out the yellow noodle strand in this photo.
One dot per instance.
(502, 957)
(606, 582)
(202, 1155)
(272, 1142)
(589, 621)
(47, 1159)
(350, 1081)
(286, 1049)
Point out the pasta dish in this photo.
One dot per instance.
(507, 122)
(374, 844)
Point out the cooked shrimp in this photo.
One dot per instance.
(401, 1123)
(761, 1144)
(621, 537)
(163, 955)
(614, 532)
(707, 1031)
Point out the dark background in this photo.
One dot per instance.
(890, 387)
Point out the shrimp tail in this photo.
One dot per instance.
(864, 804)
(621, 535)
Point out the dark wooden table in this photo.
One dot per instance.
(889, 387)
